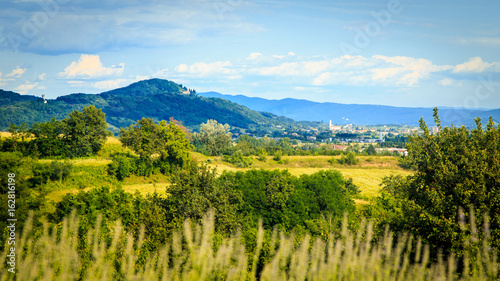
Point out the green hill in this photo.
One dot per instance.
(156, 98)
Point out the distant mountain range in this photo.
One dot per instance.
(156, 98)
(162, 99)
(360, 114)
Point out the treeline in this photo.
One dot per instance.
(214, 139)
(81, 134)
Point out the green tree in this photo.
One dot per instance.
(348, 159)
(370, 150)
(215, 137)
(85, 131)
(195, 190)
(456, 168)
(48, 139)
(163, 143)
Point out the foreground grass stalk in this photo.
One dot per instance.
(190, 255)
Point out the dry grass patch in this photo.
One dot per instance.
(148, 188)
(5, 134)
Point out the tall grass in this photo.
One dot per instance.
(193, 254)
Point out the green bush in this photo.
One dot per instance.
(348, 159)
(123, 166)
(262, 155)
(277, 155)
(238, 159)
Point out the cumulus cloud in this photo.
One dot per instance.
(42, 76)
(254, 56)
(475, 64)
(26, 87)
(16, 73)
(356, 70)
(90, 66)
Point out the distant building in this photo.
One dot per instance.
(334, 127)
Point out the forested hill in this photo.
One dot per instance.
(156, 98)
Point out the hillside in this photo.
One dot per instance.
(361, 114)
(157, 99)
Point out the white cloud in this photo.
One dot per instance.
(475, 64)
(254, 56)
(204, 69)
(356, 70)
(16, 73)
(292, 54)
(26, 87)
(449, 82)
(42, 76)
(284, 69)
(109, 84)
(90, 66)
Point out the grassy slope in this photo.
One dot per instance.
(91, 172)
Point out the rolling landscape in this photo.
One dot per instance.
(249, 140)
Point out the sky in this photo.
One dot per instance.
(414, 53)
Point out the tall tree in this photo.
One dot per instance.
(86, 131)
(214, 137)
(164, 141)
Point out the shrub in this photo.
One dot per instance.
(277, 155)
(123, 166)
(348, 159)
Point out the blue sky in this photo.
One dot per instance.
(391, 52)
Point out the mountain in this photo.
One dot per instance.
(360, 114)
(156, 98)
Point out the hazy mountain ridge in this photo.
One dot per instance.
(360, 114)
(155, 98)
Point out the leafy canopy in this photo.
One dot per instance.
(457, 169)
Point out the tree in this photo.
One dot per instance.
(165, 143)
(48, 139)
(370, 150)
(85, 131)
(348, 159)
(214, 137)
(456, 169)
(195, 190)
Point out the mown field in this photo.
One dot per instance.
(91, 172)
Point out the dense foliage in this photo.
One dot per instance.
(214, 138)
(455, 168)
(161, 148)
(81, 134)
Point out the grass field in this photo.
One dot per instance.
(91, 172)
